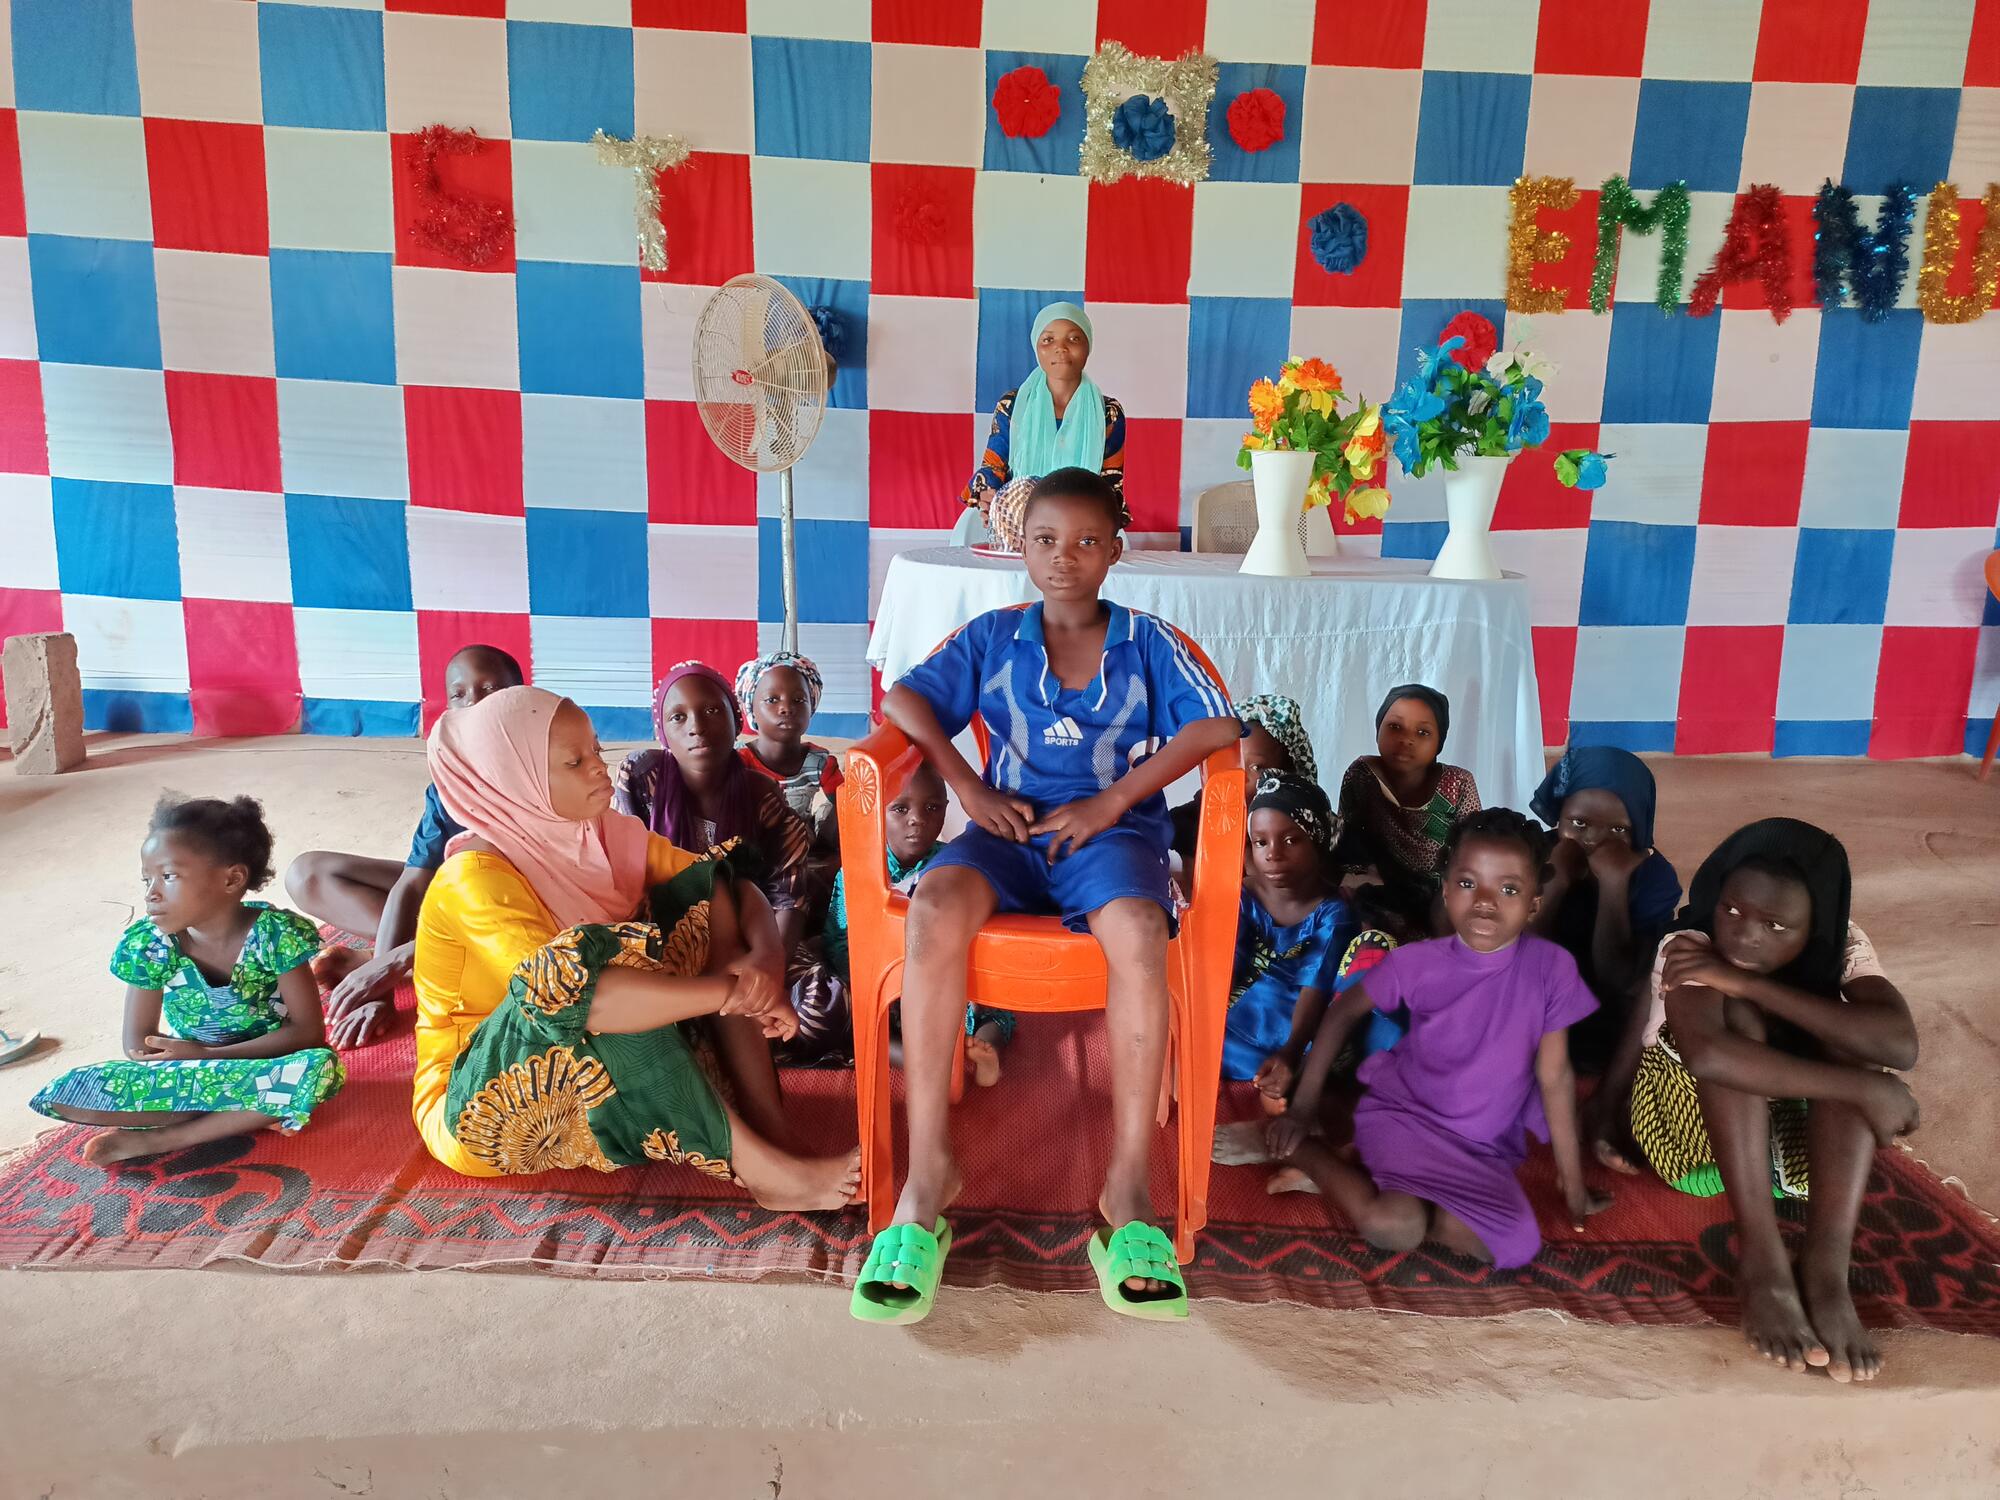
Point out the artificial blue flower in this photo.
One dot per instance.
(1590, 473)
(1529, 426)
(1430, 362)
(832, 331)
(1339, 238)
(1143, 127)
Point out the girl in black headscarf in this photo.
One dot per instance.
(1767, 1035)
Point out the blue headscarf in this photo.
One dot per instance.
(1600, 768)
(1037, 444)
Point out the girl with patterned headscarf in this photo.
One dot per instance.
(779, 693)
(1274, 739)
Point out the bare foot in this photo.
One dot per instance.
(985, 1060)
(924, 1205)
(1290, 1180)
(1240, 1144)
(1890, 1107)
(331, 965)
(1775, 1322)
(1612, 1157)
(798, 1183)
(1273, 1104)
(1851, 1353)
(115, 1146)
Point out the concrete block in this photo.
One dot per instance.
(44, 703)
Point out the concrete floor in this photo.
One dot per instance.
(258, 1384)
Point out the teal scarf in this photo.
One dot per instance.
(1038, 445)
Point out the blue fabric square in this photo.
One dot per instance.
(122, 711)
(625, 724)
(564, 82)
(322, 67)
(1976, 731)
(1006, 355)
(1231, 342)
(1046, 154)
(1690, 132)
(849, 301)
(1661, 367)
(587, 563)
(333, 316)
(95, 301)
(357, 716)
(1867, 372)
(833, 571)
(1422, 326)
(1841, 577)
(1418, 539)
(1472, 128)
(118, 540)
(1900, 135)
(1820, 737)
(1636, 574)
(75, 56)
(1278, 162)
(348, 553)
(841, 726)
(580, 329)
(813, 98)
(1636, 735)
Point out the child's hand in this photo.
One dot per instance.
(1285, 1134)
(1581, 1201)
(365, 1023)
(1075, 824)
(755, 989)
(1691, 962)
(362, 984)
(171, 1049)
(1569, 861)
(1614, 859)
(997, 813)
(780, 1024)
(1274, 1076)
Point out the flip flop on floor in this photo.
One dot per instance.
(1138, 1249)
(15, 1045)
(908, 1254)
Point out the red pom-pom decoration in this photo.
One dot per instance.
(1481, 339)
(1026, 102)
(468, 230)
(919, 219)
(1257, 119)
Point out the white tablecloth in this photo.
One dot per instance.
(1335, 641)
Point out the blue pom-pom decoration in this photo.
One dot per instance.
(832, 332)
(1340, 238)
(1143, 127)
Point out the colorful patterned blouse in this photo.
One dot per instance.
(993, 473)
(216, 1014)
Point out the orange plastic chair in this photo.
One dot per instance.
(1992, 735)
(1034, 964)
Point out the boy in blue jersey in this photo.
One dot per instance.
(1094, 710)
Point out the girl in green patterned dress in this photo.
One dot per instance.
(223, 1031)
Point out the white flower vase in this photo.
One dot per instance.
(1469, 497)
(1280, 477)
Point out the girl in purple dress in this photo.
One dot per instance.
(1443, 1125)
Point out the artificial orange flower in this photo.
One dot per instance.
(1267, 404)
(1315, 375)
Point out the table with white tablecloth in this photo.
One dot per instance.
(1336, 641)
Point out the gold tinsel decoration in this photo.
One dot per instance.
(1528, 243)
(646, 156)
(1115, 75)
(1941, 232)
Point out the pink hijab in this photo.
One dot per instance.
(490, 764)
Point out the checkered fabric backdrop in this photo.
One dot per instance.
(271, 458)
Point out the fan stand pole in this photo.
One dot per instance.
(789, 543)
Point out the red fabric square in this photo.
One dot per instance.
(1378, 280)
(1729, 689)
(1153, 473)
(465, 448)
(1982, 53)
(1363, 525)
(1949, 478)
(705, 210)
(1140, 241)
(1369, 34)
(27, 612)
(721, 643)
(916, 466)
(13, 206)
(1810, 41)
(208, 186)
(922, 230)
(1800, 230)
(689, 480)
(485, 175)
(1753, 473)
(443, 633)
(1602, 37)
(24, 442)
(1530, 497)
(1922, 686)
(692, 15)
(492, 10)
(1153, 28)
(1555, 671)
(937, 23)
(1971, 220)
(225, 431)
(243, 667)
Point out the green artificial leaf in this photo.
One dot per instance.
(1566, 469)
(1243, 458)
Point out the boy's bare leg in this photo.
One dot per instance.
(1388, 1221)
(348, 890)
(136, 1133)
(1840, 1153)
(1133, 933)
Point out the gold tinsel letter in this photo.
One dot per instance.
(1528, 243)
(647, 156)
(1941, 250)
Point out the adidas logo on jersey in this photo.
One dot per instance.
(1062, 732)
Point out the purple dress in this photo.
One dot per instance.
(1448, 1108)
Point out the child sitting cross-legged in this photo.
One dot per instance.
(1069, 819)
(1443, 1124)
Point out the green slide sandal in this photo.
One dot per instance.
(905, 1253)
(1138, 1249)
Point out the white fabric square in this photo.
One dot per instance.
(1742, 575)
(128, 645)
(722, 588)
(1552, 562)
(883, 545)
(1245, 239)
(583, 453)
(1581, 126)
(922, 352)
(456, 328)
(1975, 152)
(576, 12)
(342, 438)
(841, 654)
(232, 545)
(1456, 244)
(1796, 136)
(929, 105)
(1985, 702)
(1041, 26)
(28, 522)
(1481, 36)
(1639, 254)
(1657, 474)
(812, 218)
(1360, 342)
(215, 312)
(667, 314)
(1916, 43)
(6, 55)
(446, 70)
(365, 655)
(1764, 369)
(1627, 673)
(1830, 497)
(1580, 345)
(1360, 124)
(1937, 576)
(1259, 31)
(107, 422)
(831, 482)
(1006, 252)
(198, 60)
(17, 301)
(831, 20)
(694, 84)
(569, 206)
(1828, 672)
(1208, 456)
(467, 561)
(1707, 39)
(329, 189)
(1140, 356)
(1955, 368)
(1417, 499)
(594, 662)
(85, 175)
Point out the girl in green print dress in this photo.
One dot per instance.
(223, 1031)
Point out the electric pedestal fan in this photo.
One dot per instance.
(760, 382)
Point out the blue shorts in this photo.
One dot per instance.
(1121, 861)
